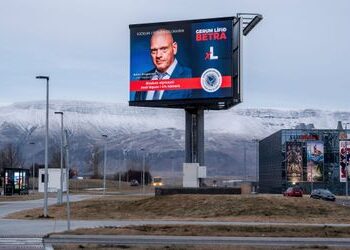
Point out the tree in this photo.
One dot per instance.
(55, 159)
(95, 158)
(11, 157)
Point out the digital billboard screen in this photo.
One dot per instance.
(294, 161)
(344, 158)
(315, 161)
(173, 64)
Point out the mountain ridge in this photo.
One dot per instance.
(159, 131)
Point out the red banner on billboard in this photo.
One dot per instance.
(174, 84)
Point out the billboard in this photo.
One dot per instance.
(185, 63)
(344, 157)
(315, 161)
(294, 161)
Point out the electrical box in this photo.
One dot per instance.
(190, 177)
(202, 172)
(54, 178)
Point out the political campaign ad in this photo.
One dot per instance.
(184, 60)
(315, 161)
(344, 157)
(294, 162)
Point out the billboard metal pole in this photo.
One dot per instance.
(194, 139)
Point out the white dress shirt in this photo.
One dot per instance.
(166, 74)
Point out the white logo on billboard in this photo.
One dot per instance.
(211, 80)
(212, 57)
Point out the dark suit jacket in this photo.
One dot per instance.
(179, 72)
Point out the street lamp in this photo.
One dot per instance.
(61, 177)
(33, 175)
(172, 170)
(104, 164)
(143, 170)
(66, 146)
(245, 162)
(256, 141)
(46, 143)
(125, 165)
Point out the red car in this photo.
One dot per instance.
(293, 191)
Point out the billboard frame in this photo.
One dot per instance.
(206, 103)
(292, 164)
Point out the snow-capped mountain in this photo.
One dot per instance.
(160, 132)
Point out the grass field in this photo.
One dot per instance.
(220, 230)
(259, 208)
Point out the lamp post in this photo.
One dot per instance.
(256, 141)
(66, 145)
(125, 165)
(143, 170)
(46, 143)
(104, 164)
(172, 170)
(245, 162)
(61, 176)
(33, 159)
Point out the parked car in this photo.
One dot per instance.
(293, 191)
(134, 183)
(323, 194)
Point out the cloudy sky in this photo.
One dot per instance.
(297, 57)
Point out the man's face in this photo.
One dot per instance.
(163, 50)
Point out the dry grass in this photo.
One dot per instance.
(219, 230)
(186, 247)
(206, 207)
(31, 196)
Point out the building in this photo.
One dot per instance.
(54, 178)
(16, 181)
(305, 157)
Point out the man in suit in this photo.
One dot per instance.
(163, 50)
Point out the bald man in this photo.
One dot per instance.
(163, 50)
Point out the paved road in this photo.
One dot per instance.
(8, 207)
(39, 243)
(13, 232)
(27, 243)
(196, 240)
(40, 228)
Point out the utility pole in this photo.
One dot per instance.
(143, 170)
(67, 177)
(33, 174)
(61, 176)
(104, 164)
(46, 176)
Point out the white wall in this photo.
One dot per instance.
(54, 180)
